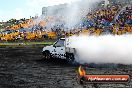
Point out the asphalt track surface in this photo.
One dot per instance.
(25, 67)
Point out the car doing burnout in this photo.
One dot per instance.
(59, 49)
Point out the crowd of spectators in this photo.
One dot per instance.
(112, 19)
(24, 29)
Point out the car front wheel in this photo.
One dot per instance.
(46, 55)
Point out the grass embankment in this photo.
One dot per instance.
(24, 43)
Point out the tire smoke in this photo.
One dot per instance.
(103, 49)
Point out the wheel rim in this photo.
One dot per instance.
(70, 57)
(47, 55)
(44, 55)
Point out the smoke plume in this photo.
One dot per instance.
(68, 16)
(103, 49)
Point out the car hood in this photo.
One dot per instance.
(48, 47)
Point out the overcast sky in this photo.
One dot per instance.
(25, 8)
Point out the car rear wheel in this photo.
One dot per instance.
(70, 57)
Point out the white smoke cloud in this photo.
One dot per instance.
(106, 2)
(76, 11)
(35, 6)
(71, 15)
(103, 49)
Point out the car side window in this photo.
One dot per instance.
(60, 43)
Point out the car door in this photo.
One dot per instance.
(59, 48)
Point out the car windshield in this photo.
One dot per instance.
(59, 43)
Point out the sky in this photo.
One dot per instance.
(25, 8)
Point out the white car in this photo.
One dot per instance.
(59, 49)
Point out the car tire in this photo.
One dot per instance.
(70, 57)
(46, 55)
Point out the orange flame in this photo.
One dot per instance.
(81, 71)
